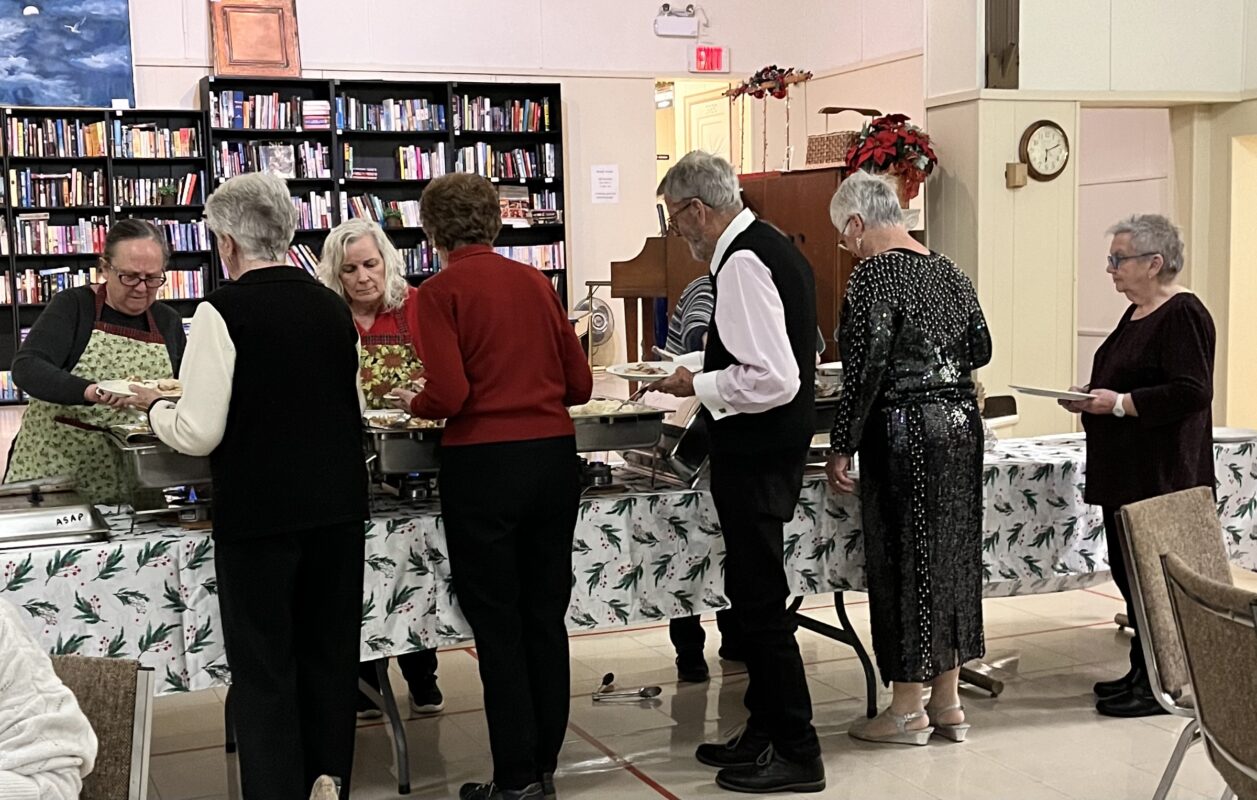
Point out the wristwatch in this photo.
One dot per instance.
(1119, 406)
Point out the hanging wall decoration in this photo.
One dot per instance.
(771, 81)
(255, 38)
(65, 53)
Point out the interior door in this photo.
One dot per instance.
(707, 123)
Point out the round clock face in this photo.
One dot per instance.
(1045, 150)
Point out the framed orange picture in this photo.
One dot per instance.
(255, 38)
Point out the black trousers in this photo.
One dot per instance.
(755, 496)
(419, 670)
(688, 636)
(1117, 565)
(510, 513)
(292, 615)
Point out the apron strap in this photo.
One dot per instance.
(151, 336)
(78, 423)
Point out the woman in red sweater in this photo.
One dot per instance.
(360, 264)
(502, 363)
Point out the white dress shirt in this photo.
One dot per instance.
(751, 320)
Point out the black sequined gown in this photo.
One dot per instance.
(911, 334)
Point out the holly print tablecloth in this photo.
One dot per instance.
(638, 556)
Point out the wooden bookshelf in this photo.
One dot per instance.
(371, 120)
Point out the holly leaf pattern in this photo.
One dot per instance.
(151, 553)
(117, 647)
(112, 565)
(202, 637)
(87, 612)
(63, 565)
(154, 637)
(174, 600)
(17, 575)
(401, 596)
(69, 647)
(201, 554)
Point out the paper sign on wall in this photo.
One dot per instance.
(605, 183)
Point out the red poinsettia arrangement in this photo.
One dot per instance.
(893, 145)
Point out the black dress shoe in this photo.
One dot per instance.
(547, 786)
(773, 773)
(1135, 702)
(490, 791)
(692, 669)
(732, 653)
(740, 751)
(1107, 689)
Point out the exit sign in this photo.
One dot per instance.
(709, 58)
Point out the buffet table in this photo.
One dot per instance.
(639, 556)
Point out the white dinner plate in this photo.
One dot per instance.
(633, 372)
(1234, 434)
(1054, 394)
(118, 387)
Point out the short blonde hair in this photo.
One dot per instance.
(333, 258)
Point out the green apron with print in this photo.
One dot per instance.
(389, 362)
(57, 440)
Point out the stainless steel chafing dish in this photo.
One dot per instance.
(154, 465)
(47, 512)
(402, 451)
(634, 427)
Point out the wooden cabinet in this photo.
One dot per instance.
(798, 204)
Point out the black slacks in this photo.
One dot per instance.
(1117, 565)
(418, 668)
(688, 636)
(292, 614)
(510, 513)
(755, 495)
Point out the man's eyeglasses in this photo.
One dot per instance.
(1116, 261)
(686, 204)
(130, 279)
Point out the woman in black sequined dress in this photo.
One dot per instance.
(911, 335)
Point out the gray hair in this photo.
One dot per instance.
(257, 212)
(706, 177)
(333, 258)
(1153, 233)
(871, 196)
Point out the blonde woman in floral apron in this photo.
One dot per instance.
(361, 265)
(113, 330)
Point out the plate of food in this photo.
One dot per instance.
(166, 387)
(389, 419)
(644, 370)
(1054, 394)
(601, 407)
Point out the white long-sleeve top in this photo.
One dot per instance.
(47, 745)
(751, 320)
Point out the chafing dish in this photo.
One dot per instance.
(635, 427)
(155, 465)
(402, 451)
(47, 512)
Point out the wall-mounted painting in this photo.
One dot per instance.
(65, 53)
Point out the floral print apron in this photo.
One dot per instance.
(58, 440)
(389, 362)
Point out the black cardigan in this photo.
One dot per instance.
(58, 338)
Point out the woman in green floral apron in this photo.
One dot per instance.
(89, 334)
(361, 265)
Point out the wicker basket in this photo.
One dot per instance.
(829, 148)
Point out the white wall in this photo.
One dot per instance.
(1125, 167)
(1250, 45)
(955, 41)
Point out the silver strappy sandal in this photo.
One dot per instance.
(957, 732)
(901, 735)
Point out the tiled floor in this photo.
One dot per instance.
(1040, 739)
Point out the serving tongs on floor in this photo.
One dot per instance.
(607, 693)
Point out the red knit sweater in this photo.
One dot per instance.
(502, 361)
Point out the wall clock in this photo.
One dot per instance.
(1044, 150)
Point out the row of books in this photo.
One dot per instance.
(415, 163)
(31, 189)
(420, 260)
(35, 236)
(185, 284)
(184, 236)
(302, 255)
(149, 140)
(521, 162)
(369, 206)
(519, 116)
(56, 138)
(304, 160)
(403, 115)
(9, 393)
(39, 286)
(314, 210)
(188, 190)
(239, 110)
(541, 256)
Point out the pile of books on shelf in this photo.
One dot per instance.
(521, 162)
(183, 236)
(316, 115)
(420, 260)
(314, 211)
(518, 116)
(148, 140)
(362, 173)
(56, 138)
(184, 284)
(306, 160)
(415, 163)
(9, 392)
(515, 204)
(541, 256)
(31, 189)
(38, 286)
(302, 255)
(254, 111)
(399, 116)
(189, 190)
(369, 206)
(36, 237)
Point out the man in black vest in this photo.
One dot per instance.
(290, 491)
(756, 389)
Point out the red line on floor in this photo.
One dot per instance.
(1102, 594)
(622, 762)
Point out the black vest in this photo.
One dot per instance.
(291, 456)
(791, 426)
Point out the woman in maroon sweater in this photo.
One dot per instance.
(1150, 427)
(502, 364)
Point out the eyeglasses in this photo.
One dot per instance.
(1116, 261)
(131, 279)
(843, 232)
(686, 205)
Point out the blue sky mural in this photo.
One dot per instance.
(65, 52)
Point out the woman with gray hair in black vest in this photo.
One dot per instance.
(911, 335)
